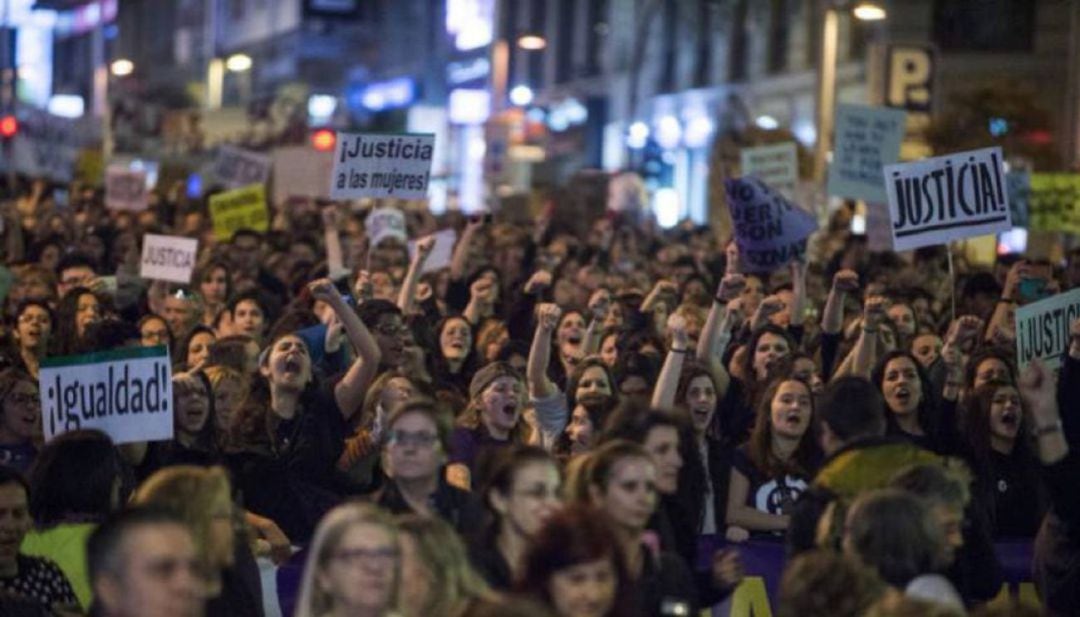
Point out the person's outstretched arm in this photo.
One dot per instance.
(407, 296)
(349, 392)
(666, 385)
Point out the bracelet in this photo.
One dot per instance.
(870, 331)
(720, 301)
(1049, 429)
(673, 350)
(1006, 301)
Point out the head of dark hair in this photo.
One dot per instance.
(751, 345)
(824, 583)
(632, 422)
(251, 295)
(578, 373)
(760, 446)
(9, 475)
(894, 532)
(185, 345)
(988, 353)
(938, 484)
(75, 260)
(852, 407)
(441, 418)
(501, 473)
(371, 310)
(575, 535)
(108, 334)
(75, 476)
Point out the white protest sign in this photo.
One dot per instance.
(776, 165)
(168, 258)
(236, 167)
(382, 165)
(302, 172)
(125, 189)
(878, 227)
(383, 223)
(867, 139)
(945, 198)
(127, 393)
(1042, 328)
(441, 254)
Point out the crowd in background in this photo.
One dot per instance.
(547, 426)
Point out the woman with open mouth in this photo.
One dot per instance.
(453, 361)
(32, 334)
(994, 426)
(490, 422)
(911, 412)
(765, 356)
(771, 470)
(291, 427)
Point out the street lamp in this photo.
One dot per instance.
(826, 94)
(238, 63)
(531, 42)
(122, 67)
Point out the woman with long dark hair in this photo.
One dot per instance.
(77, 310)
(771, 470)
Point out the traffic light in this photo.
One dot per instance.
(323, 140)
(9, 126)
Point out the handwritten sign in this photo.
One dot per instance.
(441, 254)
(240, 209)
(947, 198)
(383, 223)
(125, 189)
(301, 172)
(777, 166)
(126, 393)
(1042, 328)
(236, 167)
(1054, 202)
(168, 258)
(382, 165)
(770, 231)
(867, 139)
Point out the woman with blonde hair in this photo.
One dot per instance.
(353, 566)
(437, 578)
(201, 497)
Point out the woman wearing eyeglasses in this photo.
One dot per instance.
(353, 566)
(31, 334)
(20, 419)
(522, 492)
(417, 435)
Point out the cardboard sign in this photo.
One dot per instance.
(240, 209)
(1018, 185)
(300, 171)
(125, 189)
(769, 230)
(236, 167)
(878, 227)
(383, 223)
(777, 166)
(1054, 202)
(127, 393)
(382, 165)
(441, 254)
(1042, 328)
(168, 258)
(867, 139)
(946, 198)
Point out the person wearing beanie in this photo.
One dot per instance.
(490, 421)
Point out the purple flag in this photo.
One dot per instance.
(769, 230)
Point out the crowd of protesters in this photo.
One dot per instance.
(547, 426)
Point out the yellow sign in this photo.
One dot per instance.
(244, 208)
(1054, 203)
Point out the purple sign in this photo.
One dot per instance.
(769, 230)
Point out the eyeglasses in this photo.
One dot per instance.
(421, 439)
(367, 556)
(392, 330)
(540, 493)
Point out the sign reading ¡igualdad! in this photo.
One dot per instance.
(127, 393)
(1042, 328)
(382, 165)
(946, 198)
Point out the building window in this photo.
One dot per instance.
(778, 36)
(597, 35)
(703, 55)
(739, 41)
(984, 25)
(564, 50)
